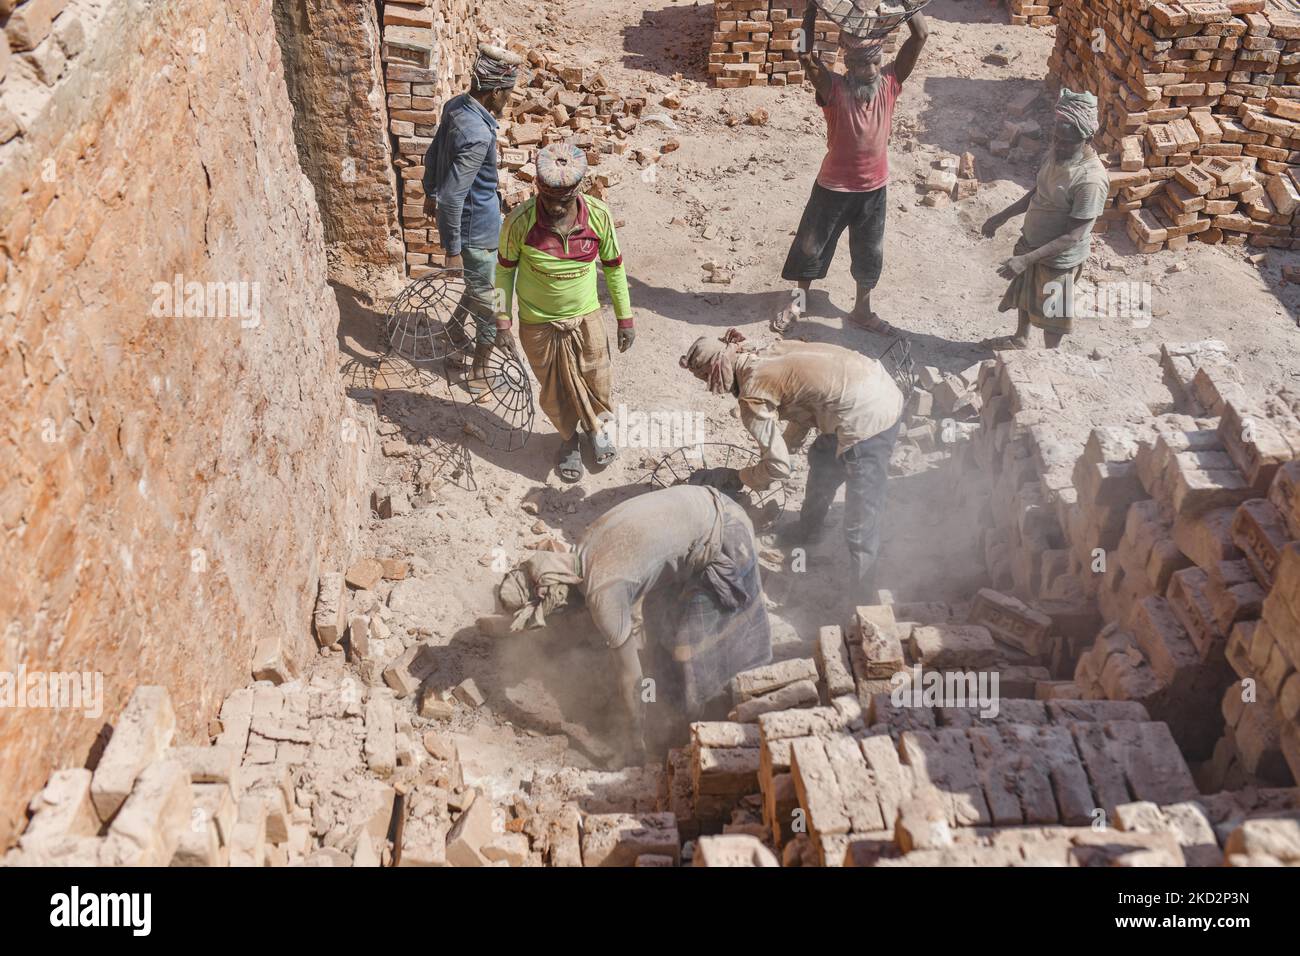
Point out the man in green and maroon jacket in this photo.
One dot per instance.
(547, 257)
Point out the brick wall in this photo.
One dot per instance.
(428, 50)
(171, 485)
(336, 84)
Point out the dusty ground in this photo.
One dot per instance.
(939, 284)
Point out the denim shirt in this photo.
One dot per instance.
(463, 159)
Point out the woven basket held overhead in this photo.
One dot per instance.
(870, 19)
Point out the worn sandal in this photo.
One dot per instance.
(602, 448)
(570, 466)
(784, 321)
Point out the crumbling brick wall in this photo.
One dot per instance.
(177, 469)
(335, 80)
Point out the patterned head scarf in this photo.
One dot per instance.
(860, 48)
(716, 355)
(495, 68)
(560, 167)
(1080, 110)
(539, 587)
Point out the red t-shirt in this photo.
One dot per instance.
(857, 136)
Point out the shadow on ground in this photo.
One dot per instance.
(670, 40)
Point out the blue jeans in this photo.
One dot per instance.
(864, 469)
(480, 293)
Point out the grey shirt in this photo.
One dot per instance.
(1067, 193)
(640, 543)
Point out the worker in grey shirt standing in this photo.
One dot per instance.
(460, 186)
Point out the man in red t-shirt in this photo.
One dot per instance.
(850, 189)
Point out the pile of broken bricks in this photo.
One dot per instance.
(941, 412)
(559, 104)
(352, 618)
(951, 179)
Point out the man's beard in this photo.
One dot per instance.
(864, 91)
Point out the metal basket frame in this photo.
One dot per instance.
(868, 26)
(665, 473)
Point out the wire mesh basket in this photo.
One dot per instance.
(676, 468)
(897, 360)
(870, 20)
(427, 322)
(387, 372)
(498, 409)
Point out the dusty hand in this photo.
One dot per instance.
(1013, 267)
(505, 338)
(991, 226)
(625, 338)
(724, 479)
(453, 262)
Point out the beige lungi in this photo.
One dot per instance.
(571, 359)
(1044, 295)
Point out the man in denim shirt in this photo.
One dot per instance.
(460, 179)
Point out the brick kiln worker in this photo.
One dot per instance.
(671, 575)
(460, 179)
(851, 187)
(549, 248)
(850, 398)
(1060, 213)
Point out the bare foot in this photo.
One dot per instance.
(1004, 343)
(874, 323)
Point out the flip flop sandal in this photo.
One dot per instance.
(569, 466)
(603, 449)
(783, 322)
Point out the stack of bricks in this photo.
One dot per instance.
(898, 785)
(1199, 104)
(1168, 527)
(1261, 739)
(564, 104)
(428, 50)
(756, 43)
(1034, 13)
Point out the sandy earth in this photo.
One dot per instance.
(750, 182)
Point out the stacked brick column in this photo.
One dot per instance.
(1033, 13)
(1176, 528)
(755, 42)
(428, 50)
(1199, 109)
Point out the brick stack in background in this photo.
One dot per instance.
(754, 42)
(1200, 103)
(1033, 13)
(426, 66)
(428, 50)
(566, 104)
